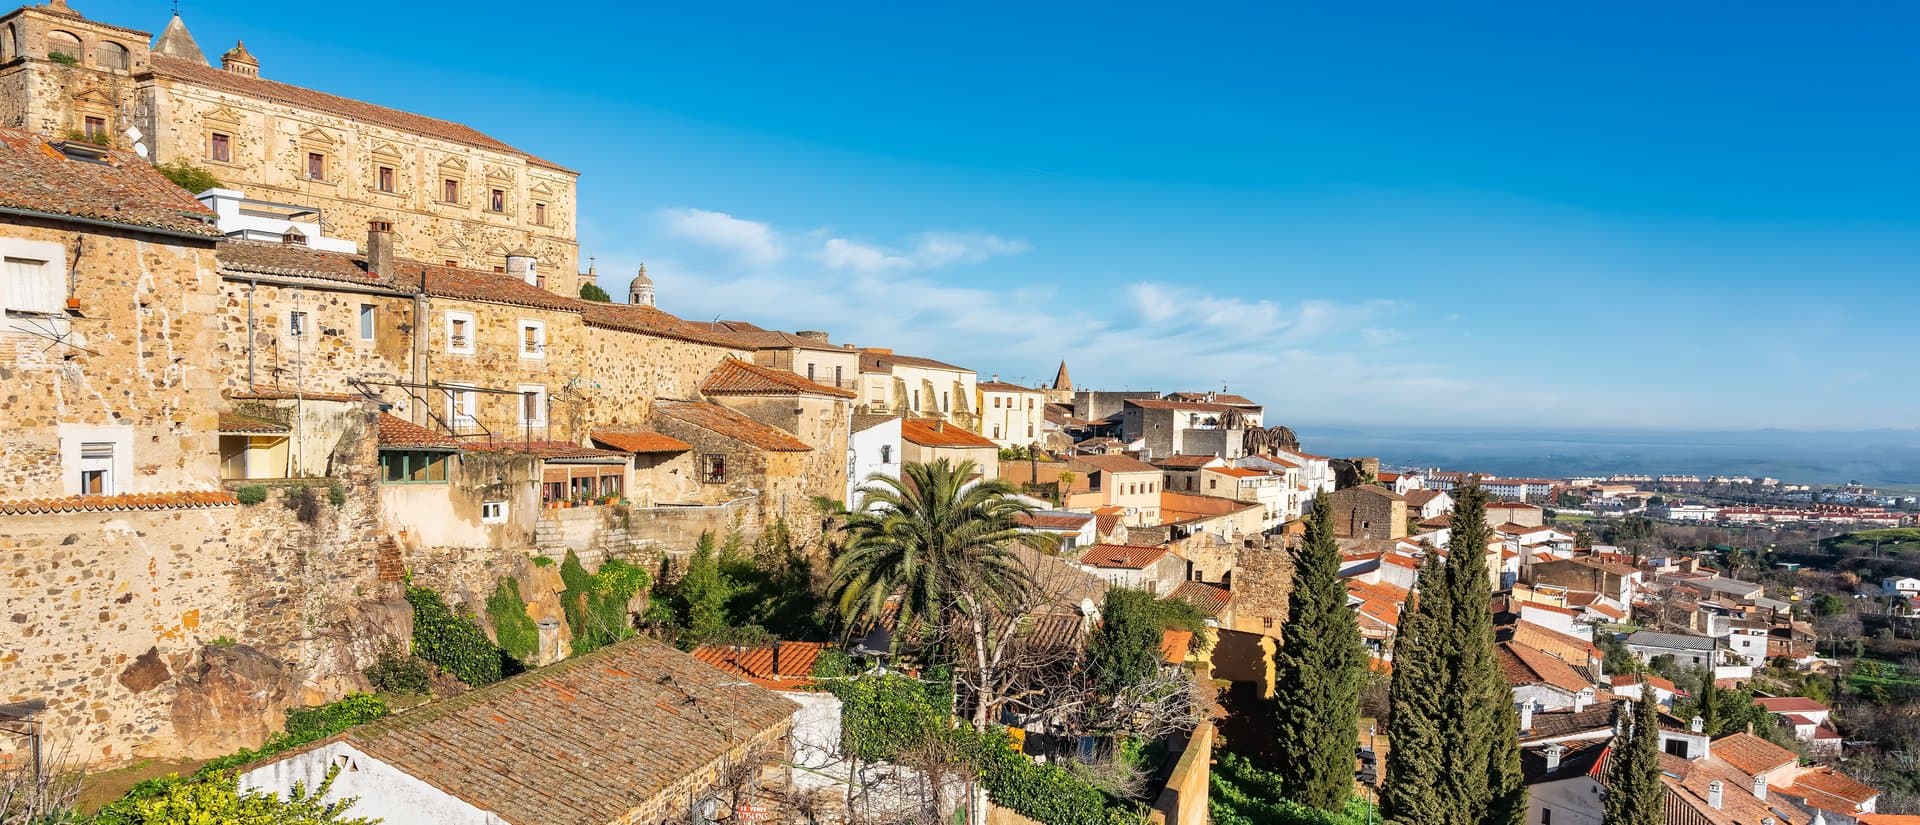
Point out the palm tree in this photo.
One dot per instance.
(943, 542)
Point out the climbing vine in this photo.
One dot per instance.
(596, 603)
(518, 635)
(453, 641)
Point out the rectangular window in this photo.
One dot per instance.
(412, 467)
(96, 128)
(713, 468)
(33, 286)
(996, 402)
(533, 405)
(316, 166)
(837, 376)
(886, 454)
(946, 402)
(539, 214)
(463, 408)
(496, 200)
(296, 323)
(996, 431)
(384, 179)
(809, 372)
(493, 512)
(96, 468)
(450, 190)
(533, 339)
(220, 148)
(460, 333)
(366, 322)
(1029, 430)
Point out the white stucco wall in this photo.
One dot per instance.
(867, 458)
(1573, 802)
(385, 792)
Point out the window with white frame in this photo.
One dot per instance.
(533, 405)
(366, 322)
(460, 333)
(296, 323)
(96, 468)
(463, 407)
(35, 277)
(533, 339)
(493, 512)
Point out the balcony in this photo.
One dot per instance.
(246, 219)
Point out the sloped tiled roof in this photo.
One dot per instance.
(756, 664)
(548, 450)
(190, 500)
(640, 441)
(1210, 599)
(877, 361)
(862, 422)
(1790, 704)
(1830, 790)
(1163, 404)
(651, 321)
(1218, 398)
(1121, 556)
(242, 424)
(1116, 464)
(399, 433)
(1523, 665)
(1751, 754)
(1183, 461)
(121, 189)
(1053, 521)
(585, 740)
(1002, 386)
(717, 419)
(1175, 646)
(272, 91)
(928, 432)
(737, 377)
(757, 337)
(1553, 724)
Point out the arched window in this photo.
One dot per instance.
(111, 55)
(65, 44)
(9, 42)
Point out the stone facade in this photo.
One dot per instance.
(353, 161)
(1368, 511)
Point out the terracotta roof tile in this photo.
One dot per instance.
(547, 450)
(1175, 646)
(1829, 790)
(717, 419)
(191, 500)
(1053, 521)
(272, 91)
(241, 424)
(755, 337)
(1002, 386)
(279, 393)
(1163, 404)
(737, 377)
(872, 360)
(400, 434)
(1525, 665)
(1790, 704)
(121, 188)
(1116, 464)
(640, 441)
(756, 664)
(582, 741)
(1183, 461)
(1238, 472)
(1121, 556)
(1751, 754)
(1210, 599)
(651, 321)
(927, 432)
(1218, 398)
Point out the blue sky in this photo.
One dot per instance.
(1515, 215)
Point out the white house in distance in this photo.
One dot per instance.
(874, 449)
(1902, 586)
(1152, 569)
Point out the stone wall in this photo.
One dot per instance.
(327, 355)
(1262, 585)
(629, 370)
(129, 364)
(821, 423)
(1183, 801)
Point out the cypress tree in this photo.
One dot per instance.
(1456, 756)
(1319, 671)
(1635, 795)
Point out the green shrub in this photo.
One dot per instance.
(63, 58)
(305, 504)
(542, 561)
(453, 641)
(1242, 794)
(211, 798)
(336, 493)
(396, 672)
(515, 630)
(224, 641)
(593, 292)
(251, 494)
(596, 603)
(188, 176)
(833, 663)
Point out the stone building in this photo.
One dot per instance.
(1368, 511)
(806, 353)
(457, 196)
(926, 440)
(1184, 427)
(917, 388)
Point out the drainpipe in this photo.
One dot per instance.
(254, 286)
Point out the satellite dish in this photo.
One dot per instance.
(141, 150)
(134, 133)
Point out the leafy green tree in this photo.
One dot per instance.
(188, 176)
(216, 798)
(1635, 795)
(1319, 671)
(519, 636)
(942, 541)
(1456, 756)
(591, 291)
(1125, 649)
(701, 596)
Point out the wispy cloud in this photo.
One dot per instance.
(930, 250)
(754, 242)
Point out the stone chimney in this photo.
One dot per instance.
(293, 237)
(380, 247)
(1760, 787)
(1581, 700)
(1526, 716)
(812, 335)
(1716, 794)
(776, 659)
(240, 61)
(1698, 725)
(939, 425)
(1553, 753)
(521, 264)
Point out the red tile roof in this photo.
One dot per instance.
(717, 419)
(1218, 398)
(200, 74)
(1121, 556)
(121, 189)
(1182, 461)
(1002, 386)
(1116, 464)
(755, 664)
(1828, 789)
(1790, 704)
(279, 393)
(1175, 646)
(1163, 404)
(737, 377)
(131, 501)
(1751, 754)
(640, 441)
(1238, 472)
(651, 321)
(928, 432)
(1210, 599)
(1524, 665)
(874, 360)
(1053, 521)
(547, 450)
(400, 434)
(241, 424)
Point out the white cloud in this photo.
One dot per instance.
(754, 242)
(931, 250)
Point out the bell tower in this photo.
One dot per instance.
(640, 292)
